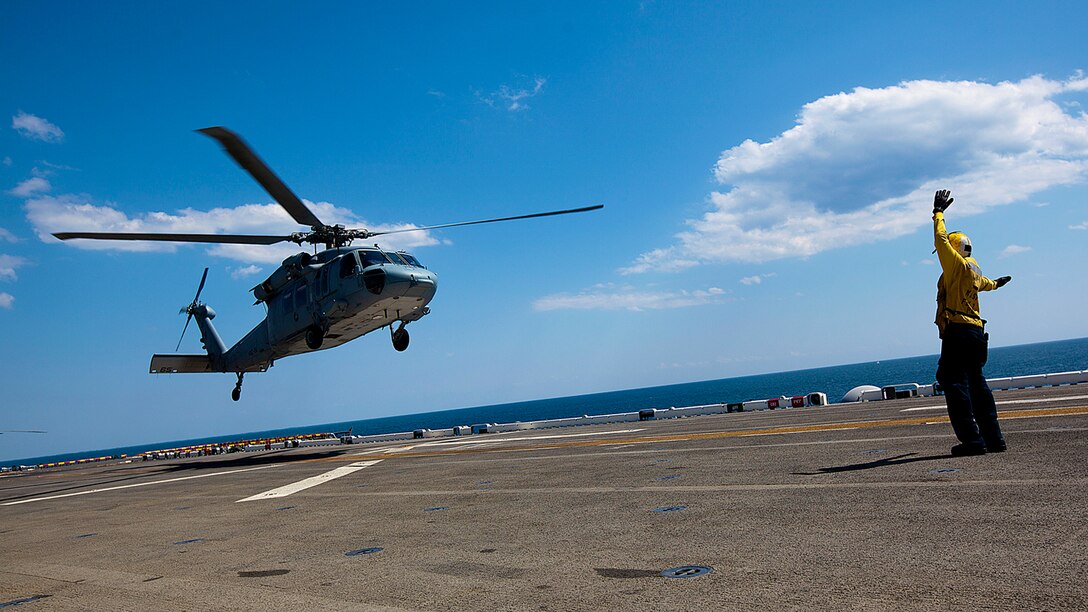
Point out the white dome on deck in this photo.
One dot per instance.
(854, 395)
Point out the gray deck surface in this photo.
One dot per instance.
(842, 507)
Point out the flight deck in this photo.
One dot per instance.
(847, 506)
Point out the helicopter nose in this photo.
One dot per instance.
(411, 282)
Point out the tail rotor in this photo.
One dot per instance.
(191, 308)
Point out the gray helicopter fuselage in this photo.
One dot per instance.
(345, 292)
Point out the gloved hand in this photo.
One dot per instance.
(941, 201)
(1004, 280)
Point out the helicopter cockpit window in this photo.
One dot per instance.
(412, 261)
(397, 259)
(372, 258)
(347, 265)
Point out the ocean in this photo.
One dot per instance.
(835, 381)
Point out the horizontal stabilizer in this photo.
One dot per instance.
(173, 364)
(177, 364)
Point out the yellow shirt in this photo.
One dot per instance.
(958, 287)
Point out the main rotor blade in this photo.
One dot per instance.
(248, 160)
(532, 216)
(216, 238)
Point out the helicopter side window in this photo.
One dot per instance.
(347, 265)
(288, 303)
(373, 258)
(300, 297)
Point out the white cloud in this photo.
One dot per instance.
(861, 167)
(756, 279)
(928, 262)
(53, 167)
(30, 187)
(71, 213)
(611, 297)
(8, 265)
(242, 272)
(36, 128)
(1079, 226)
(8, 236)
(1014, 249)
(513, 98)
(7, 160)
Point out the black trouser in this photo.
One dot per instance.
(970, 402)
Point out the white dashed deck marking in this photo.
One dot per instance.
(312, 481)
(132, 486)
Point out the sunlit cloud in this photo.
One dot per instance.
(513, 98)
(611, 297)
(72, 213)
(7, 236)
(30, 187)
(8, 265)
(861, 167)
(244, 271)
(1014, 249)
(756, 279)
(1079, 226)
(36, 128)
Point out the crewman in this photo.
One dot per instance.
(964, 341)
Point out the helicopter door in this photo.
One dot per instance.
(292, 312)
(323, 282)
(302, 304)
(349, 266)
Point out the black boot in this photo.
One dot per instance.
(967, 450)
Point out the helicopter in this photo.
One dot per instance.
(314, 301)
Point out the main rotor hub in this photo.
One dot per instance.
(331, 236)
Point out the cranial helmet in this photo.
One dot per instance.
(961, 243)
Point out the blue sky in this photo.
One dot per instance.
(767, 171)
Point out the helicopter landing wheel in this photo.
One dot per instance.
(236, 394)
(400, 339)
(314, 337)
